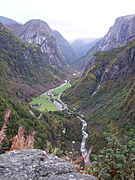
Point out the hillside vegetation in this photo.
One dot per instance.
(24, 68)
(48, 129)
(24, 73)
(106, 93)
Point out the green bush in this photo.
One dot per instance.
(116, 159)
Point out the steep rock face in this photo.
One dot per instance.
(113, 64)
(109, 66)
(122, 30)
(118, 65)
(66, 48)
(36, 164)
(38, 32)
(125, 65)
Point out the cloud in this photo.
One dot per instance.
(71, 17)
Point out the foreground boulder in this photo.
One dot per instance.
(33, 164)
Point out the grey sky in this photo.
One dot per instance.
(72, 18)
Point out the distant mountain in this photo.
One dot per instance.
(82, 48)
(83, 45)
(66, 48)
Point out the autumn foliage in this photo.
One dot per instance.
(20, 141)
(4, 127)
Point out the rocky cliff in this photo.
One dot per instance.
(38, 32)
(119, 34)
(51, 42)
(36, 164)
(66, 48)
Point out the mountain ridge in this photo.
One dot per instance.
(7, 21)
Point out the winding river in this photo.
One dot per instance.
(62, 106)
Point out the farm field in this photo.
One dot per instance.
(45, 103)
(57, 91)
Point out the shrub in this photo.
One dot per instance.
(116, 160)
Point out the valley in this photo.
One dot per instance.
(93, 118)
(50, 101)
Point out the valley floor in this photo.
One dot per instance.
(49, 101)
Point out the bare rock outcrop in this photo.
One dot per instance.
(33, 164)
(38, 32)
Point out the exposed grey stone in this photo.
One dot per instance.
(38, 32)
(69, 176)
(33, 164)
(122, 31)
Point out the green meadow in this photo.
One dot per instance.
(60, 90)
(45, 101)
